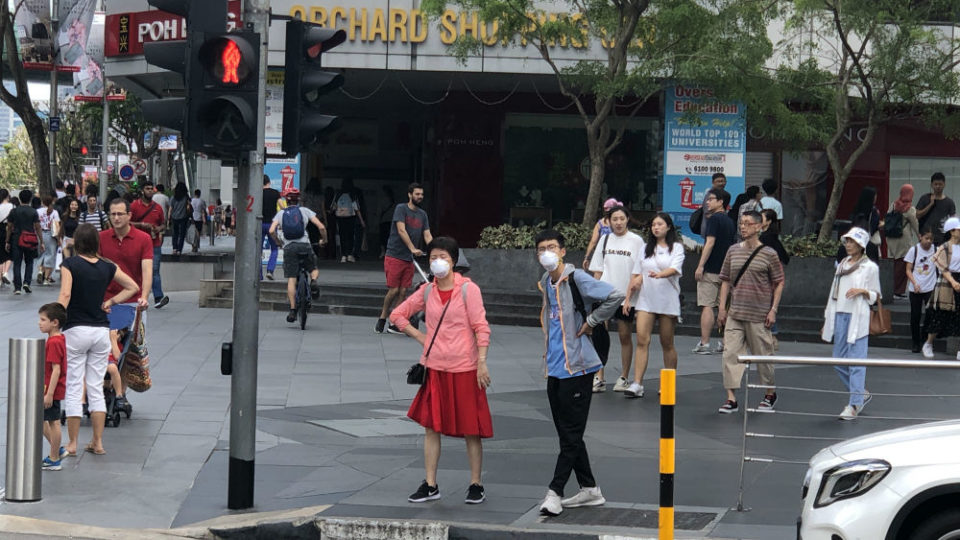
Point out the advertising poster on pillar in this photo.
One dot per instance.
(702, 136)
(284, 174)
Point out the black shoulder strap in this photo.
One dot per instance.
(746, 264)
(577, 298)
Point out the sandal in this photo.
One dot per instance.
(92, 450)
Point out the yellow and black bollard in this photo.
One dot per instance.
(668, 399)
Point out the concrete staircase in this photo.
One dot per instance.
(797, 323)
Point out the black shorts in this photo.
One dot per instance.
(52, 414)
(619, 316)
(293, 253)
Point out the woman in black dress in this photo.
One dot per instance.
(68, 225)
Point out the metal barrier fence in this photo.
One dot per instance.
(820, 361)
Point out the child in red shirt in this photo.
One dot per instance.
(52, 317)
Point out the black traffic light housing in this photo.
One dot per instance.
(305, 82)
(221, 71)
(222, 95)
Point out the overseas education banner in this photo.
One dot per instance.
(696, 148)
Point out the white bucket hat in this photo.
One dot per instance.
(862, 237)
(951, 224)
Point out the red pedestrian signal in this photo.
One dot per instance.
(83, 150)
(231, 61)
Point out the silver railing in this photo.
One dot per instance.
(820, 361)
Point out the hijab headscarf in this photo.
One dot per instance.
(905, 201)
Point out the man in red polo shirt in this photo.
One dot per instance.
(147, 216)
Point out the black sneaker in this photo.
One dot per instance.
(729, 407)
(427, 493)
(292, 315)
(475, 494)
(766, 405)
(162, 302)
(393, 330)
(381, 323)
(26, 288)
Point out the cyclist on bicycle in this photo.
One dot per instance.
(292, 221)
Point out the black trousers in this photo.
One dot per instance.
(917, 301)
(570, 406)
(346, 229)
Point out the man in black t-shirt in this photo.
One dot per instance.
(270, 199)
(23, 218)
(934, 208)
(719, 231)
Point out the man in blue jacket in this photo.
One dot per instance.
(570, 362)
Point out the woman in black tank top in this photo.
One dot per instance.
(83, 283)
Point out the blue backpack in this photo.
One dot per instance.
(291, 223)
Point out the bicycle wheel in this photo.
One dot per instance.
(303, 299)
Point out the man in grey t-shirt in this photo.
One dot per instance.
(297, 249)
(409, 229)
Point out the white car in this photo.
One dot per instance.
(901, 484)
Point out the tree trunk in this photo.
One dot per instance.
(41, 154)
(841, 172)
(597, 171)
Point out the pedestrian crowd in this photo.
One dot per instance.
(102, 256)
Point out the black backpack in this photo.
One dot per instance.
(893, 224)
(696, 221)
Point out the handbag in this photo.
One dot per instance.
(599, 336)
(28, 240)
(880, 323)
(135, 370)
(417, 374)
(943, 297)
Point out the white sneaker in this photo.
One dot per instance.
(702, 348)
(928, 350)
(635, 390)
(719, 349)
(343, 259)
(351, 258)
(551, 505)
(599, 385)
(621, 385)
(867, 396)
(585, 497)
(849, 413)
(958, 355)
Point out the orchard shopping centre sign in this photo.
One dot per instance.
(365, 26)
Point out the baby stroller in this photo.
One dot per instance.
(114, 406)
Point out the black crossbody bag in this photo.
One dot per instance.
(737, 280)
(417, 374)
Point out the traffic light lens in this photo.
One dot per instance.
(230, 59)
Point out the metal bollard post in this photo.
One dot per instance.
(668, 400)
(24, 419)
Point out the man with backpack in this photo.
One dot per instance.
(292, 221)
(94, 216)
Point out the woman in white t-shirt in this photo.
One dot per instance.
(5, 257)
(50, 226)
(613, 262)
(657, 277)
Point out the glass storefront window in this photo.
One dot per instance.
(547, 166)
(916, 171)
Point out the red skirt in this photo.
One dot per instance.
(452, 404)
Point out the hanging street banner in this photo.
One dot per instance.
(702, 136)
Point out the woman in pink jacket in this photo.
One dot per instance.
(453, 399)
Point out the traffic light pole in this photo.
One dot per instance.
(54, 28)
(246, 300)
(104, 151)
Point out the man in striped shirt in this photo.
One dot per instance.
(93, 215)
(752, 277)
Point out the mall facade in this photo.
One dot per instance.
(492, 140)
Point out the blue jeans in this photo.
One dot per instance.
(853, 377)
(266, 238)
(179, 233)
(157, 287)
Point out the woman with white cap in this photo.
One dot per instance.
(856, 286)
(942, 318)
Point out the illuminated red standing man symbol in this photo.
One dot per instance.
(231, 61)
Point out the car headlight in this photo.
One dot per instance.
(850, 479)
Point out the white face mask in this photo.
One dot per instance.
(549, 261)
(440, 268)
